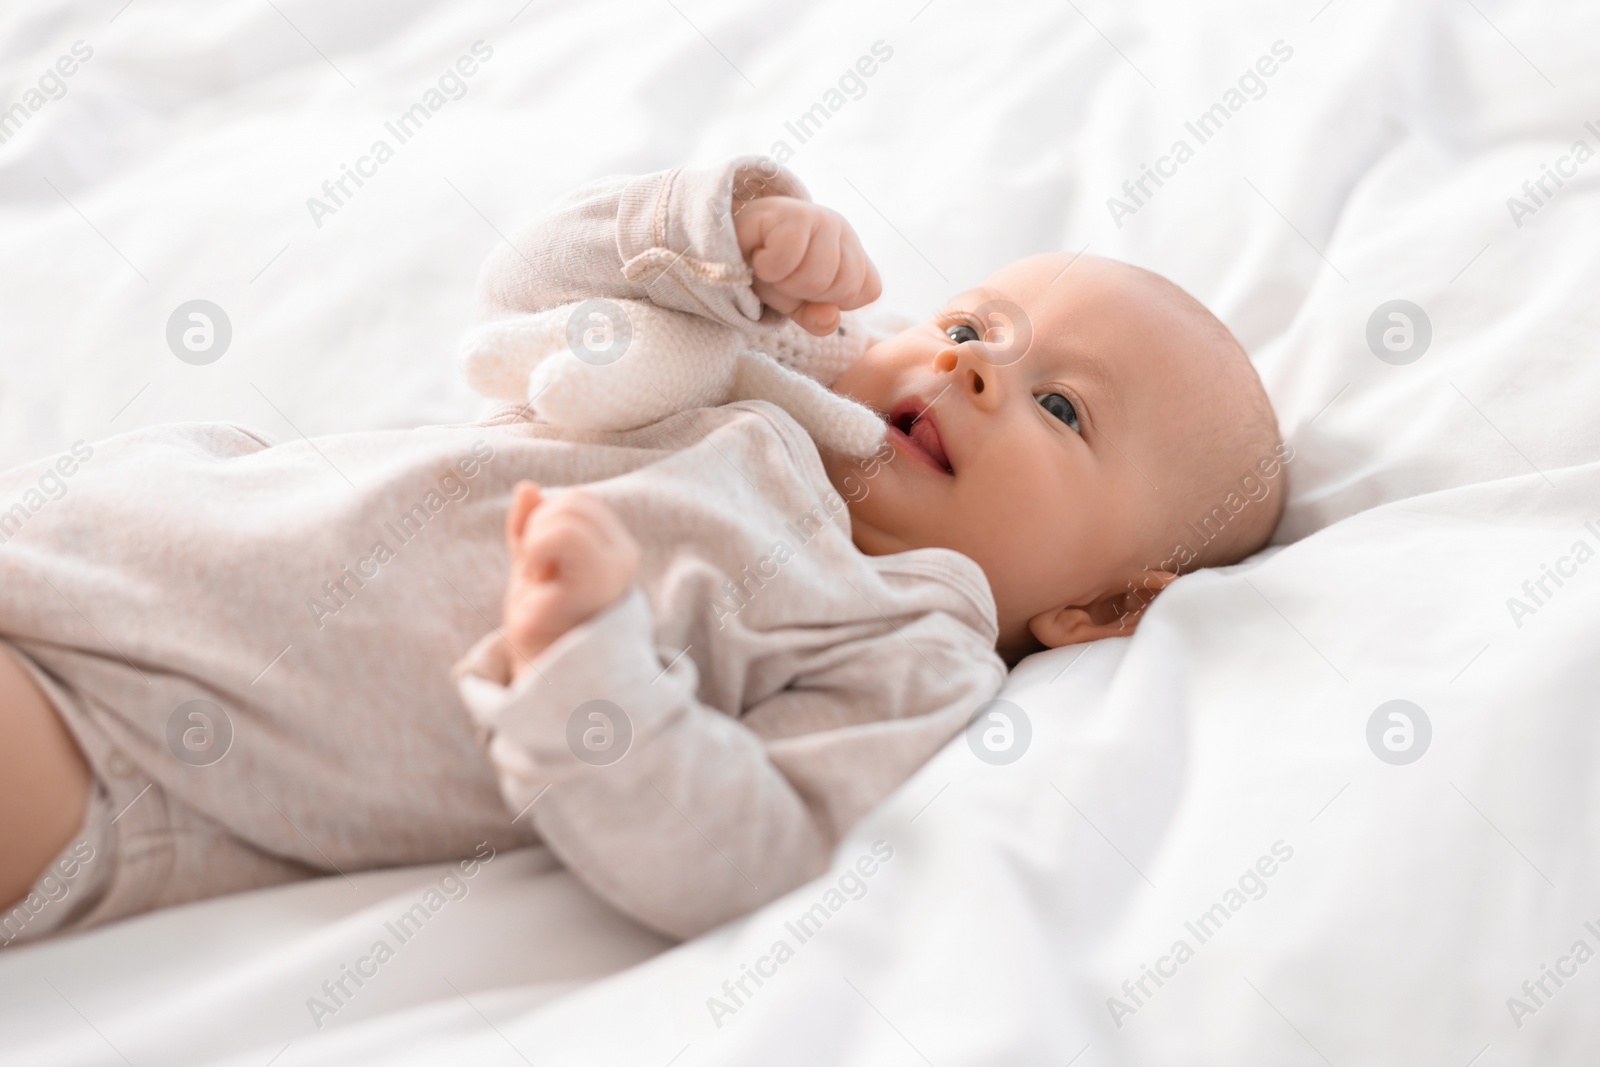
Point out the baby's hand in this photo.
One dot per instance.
(571, 557)
(808, 261)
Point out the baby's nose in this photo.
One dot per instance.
(951, 359)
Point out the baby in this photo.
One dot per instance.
(225, 663)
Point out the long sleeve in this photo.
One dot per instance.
(667, 238)
(703, 818)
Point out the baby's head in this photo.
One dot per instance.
(1110, 435)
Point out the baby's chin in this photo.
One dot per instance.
(872, 524)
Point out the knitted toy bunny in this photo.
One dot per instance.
(622, 364)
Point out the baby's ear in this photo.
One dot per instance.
(1112, 615)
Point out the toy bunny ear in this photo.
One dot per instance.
(835, 422)
(497, 357)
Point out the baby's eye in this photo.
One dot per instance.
(961, 333)
(1061, 408)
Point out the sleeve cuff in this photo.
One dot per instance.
(610, 658)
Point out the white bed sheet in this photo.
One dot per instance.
(1375, 166)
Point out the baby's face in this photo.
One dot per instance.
(1050, 462)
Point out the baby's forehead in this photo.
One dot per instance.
(1049, 280)
(1107, 317)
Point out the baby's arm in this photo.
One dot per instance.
(687, 239)
(676, 812)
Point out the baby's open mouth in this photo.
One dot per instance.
(911, 426)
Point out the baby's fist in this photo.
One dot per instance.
(808, 261)
(571, 557)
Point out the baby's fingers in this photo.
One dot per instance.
(853, 281)
(782, 303)
(525, 498)
(783, 249)
(608, 529)
(548, 548)
(817, 319)
(859, 283)
(814, 279)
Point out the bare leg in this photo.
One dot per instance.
(44, 781)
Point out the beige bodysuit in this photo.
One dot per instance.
(327, 608)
